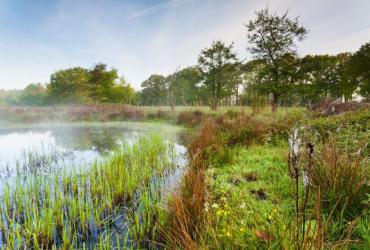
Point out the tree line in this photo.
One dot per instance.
(75, 85)
(275, 74)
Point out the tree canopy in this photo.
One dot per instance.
(218, 64)
(273, 38)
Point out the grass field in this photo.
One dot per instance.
(245, 189)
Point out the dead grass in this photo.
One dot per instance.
(185, 212)
(190, 118)
(101, 112)
(186, 207)
(330, 107)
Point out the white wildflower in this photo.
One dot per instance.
(214, 205)
(242, 206)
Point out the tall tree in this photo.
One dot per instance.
(250, 72)
(183, 85)
(217, 63)
(272, 37)
(101, 83)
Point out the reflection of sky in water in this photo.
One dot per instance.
(43, 150)
(15, 146)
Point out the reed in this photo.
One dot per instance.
(80, 208)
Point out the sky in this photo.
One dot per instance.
(144, 37)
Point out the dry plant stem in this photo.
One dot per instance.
(310, 147)
(318, 219)
(294, 172)
(296, 194)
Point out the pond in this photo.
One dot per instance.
(65, 149)
(28, 149)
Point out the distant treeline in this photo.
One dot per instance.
(276, 74)
(75, 85)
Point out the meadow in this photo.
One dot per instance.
(288, 180)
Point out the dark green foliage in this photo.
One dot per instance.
(273, 38)
(219, 66)
(359, 69)
(154, 91)
(98, 85)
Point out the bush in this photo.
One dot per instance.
(328, 107)
(190, 119)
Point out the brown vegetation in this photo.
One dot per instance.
(190, 118)
(329, 107)
(187, 205)
(100, 112)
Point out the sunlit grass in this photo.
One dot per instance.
(250, 200)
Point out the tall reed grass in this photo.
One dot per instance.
(117, 202)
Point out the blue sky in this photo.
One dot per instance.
(139, 38)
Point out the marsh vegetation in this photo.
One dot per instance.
(78, 198)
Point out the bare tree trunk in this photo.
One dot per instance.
(275, 100)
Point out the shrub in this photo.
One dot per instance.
(328, 107)
(190, 119)
(134, 114)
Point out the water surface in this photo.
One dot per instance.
(44, 148)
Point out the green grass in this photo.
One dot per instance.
(79, 208)
(249, 198)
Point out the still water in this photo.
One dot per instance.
(43, 149)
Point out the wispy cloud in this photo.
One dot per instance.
(158, 7)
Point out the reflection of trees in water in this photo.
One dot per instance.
(100, 139)
(91, 138)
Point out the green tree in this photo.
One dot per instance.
(272, 37)
(183, 85)
(217, 63)
(123, 93)
(250, 72)
(33, 95)
(69, 85)
(319, 77)
(359, 69)
(102, 82)
(154, 91)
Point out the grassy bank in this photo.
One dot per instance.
(248, 188)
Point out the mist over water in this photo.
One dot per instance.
(28, 150)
